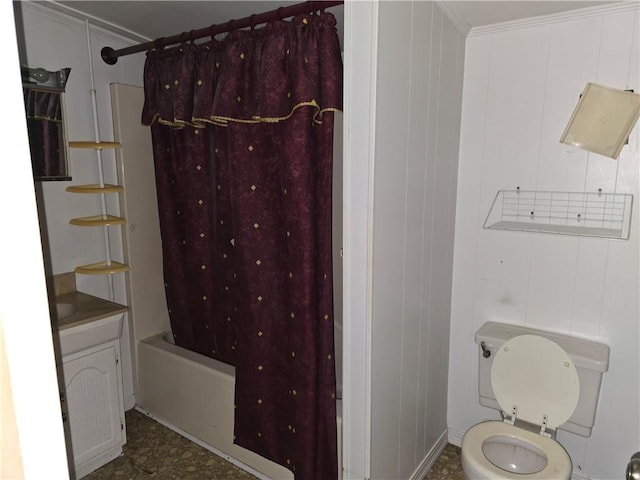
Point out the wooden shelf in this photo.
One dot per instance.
(94, 145)
(101, 268)
(97, 221)
(95, 188)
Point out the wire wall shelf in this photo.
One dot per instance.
(590, 214)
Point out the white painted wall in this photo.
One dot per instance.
(418, 101)
(521, 84)
(53, 40)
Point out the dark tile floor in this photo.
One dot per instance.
(156, 452)
(447, 466)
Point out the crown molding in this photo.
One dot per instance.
(626, 6)
(458, 21)
(66, 14)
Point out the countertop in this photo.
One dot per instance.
(88, 309)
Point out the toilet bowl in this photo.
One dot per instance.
(537, 388)
(499, 450)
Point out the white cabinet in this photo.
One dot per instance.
(94, 406)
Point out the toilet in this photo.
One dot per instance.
(539, 381)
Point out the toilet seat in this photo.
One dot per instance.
(558, 461)
(533, 377)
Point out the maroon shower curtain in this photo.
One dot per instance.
(242, 135)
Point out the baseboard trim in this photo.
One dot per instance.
(95, 463)
(431, 458)
(129, 403)
(455, 437)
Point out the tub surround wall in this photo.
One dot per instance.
(522, 81)
(142, 241)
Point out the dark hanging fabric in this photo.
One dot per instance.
(46, 138)
(242, 132)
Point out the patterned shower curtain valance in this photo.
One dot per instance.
(252, 76)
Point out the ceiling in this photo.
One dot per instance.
(154, 19)
(164, 18)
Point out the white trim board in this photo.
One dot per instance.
(455, 437)
(459, 21)
(360, 70)
(431, 458)
(554, 18)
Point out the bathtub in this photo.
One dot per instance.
(194, 396)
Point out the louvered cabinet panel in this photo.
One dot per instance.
(95, 410)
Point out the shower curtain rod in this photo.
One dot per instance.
(110, 56)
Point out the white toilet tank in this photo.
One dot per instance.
(590, 358)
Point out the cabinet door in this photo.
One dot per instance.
(92, 392)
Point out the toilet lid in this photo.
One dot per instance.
(535, 375)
